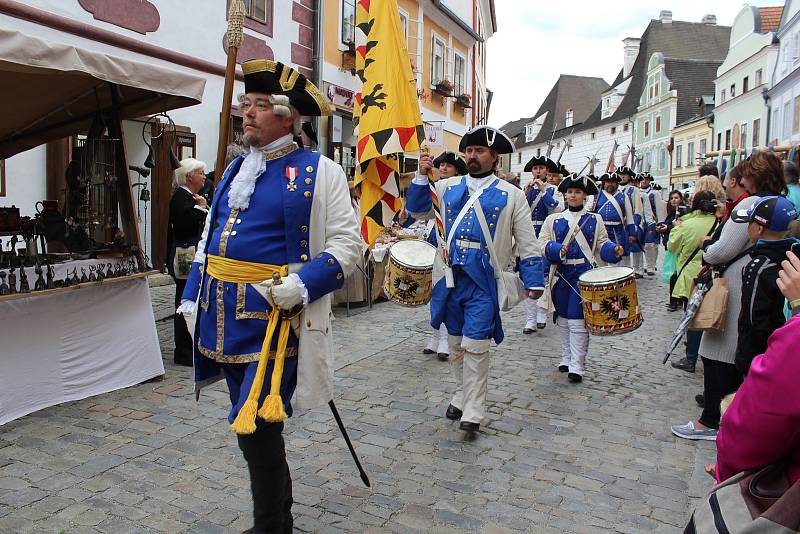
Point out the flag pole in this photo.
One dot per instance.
(234, 40)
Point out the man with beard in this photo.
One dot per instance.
(636, 238)
(544, 199)
(476, 207)
(449, 164)
(614, 208)
(281, 235)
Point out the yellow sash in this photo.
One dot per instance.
(245, 272)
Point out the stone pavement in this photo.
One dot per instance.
(552, 456)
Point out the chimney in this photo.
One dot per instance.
(665, 16)
(711, 20)
(630, 49)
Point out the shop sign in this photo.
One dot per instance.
(339, 96)
(434, 134)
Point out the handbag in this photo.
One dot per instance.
(758, 501)
(510, 290)
(182, 262)
(669, 267)
(710, 316)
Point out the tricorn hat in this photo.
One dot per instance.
(637, 177)
(563, 170)
(609, 177)
(453, 159)
(581, 182)
(551, 165)
(624, 169)
(488, 137)
(275, 78)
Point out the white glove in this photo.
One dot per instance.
(286, 295)
(187, 307)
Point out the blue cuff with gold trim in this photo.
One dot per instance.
(321, 275)
(552, 251)
(193, 283)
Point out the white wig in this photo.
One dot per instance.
(282, 107)
(188, 166)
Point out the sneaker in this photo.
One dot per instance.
(688, 431)
(684, 365)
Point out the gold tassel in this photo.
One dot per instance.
(245, 422)
(272, 410)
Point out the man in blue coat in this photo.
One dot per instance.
(481, 213)
(635, 248)
(615, 209)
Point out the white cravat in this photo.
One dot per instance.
(473, 184)
(244, 183)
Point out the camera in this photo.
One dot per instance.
(708, 206)
(682, 210)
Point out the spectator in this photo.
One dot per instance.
(710, 183)
(792, 175)
(760, 426)
(707, 170)
(187, 214)
(664, 227)
(762, 302)
(684, 243)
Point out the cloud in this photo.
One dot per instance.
(538, 40)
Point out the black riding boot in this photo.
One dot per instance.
(270, 481)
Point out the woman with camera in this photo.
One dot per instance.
(675, 209)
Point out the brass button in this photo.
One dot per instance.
(233, 233)
(309, 169)
(307, 194)
(497, 209)
(494, 216)
(303, 257)
(303, 243)
(308, 181)
(491, 225)
(238, 221)
(304, 228)
(331, 261)
(339, 276)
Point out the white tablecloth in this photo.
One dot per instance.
(72, 345)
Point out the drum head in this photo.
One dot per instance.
(601, 275)
(413, 253)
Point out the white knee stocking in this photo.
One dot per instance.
(578, 345)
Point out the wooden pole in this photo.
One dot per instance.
(234, 36)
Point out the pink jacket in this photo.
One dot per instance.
(762, 425)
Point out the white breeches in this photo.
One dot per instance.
(574, 344)
(534, 313)
(651, 256)
(636, 262)
(472, 375)
(438, 341)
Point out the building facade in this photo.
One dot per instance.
(446, 44)
(740, 116)
(691, 140)
(783, 98)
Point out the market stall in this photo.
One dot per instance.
(75, 313)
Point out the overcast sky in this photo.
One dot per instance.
(537, 40)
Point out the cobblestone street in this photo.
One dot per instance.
(552, 456)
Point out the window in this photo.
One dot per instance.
(460, 74)
(658, 124)
(529, 133)
(404, 24)
(593, 136)
(662, 160)
(690, 155)
(759, 75)
(437, 61)
(722, 97)
(727, 139)
(743, 137)
(646, 128)
(613, 130)
(733, 90)
(568, 118)
(787, 120)
(256, 10)
(756, 127)
(719, 141)
(650, 93)
(655, 91)
(745, 84)
(348, 21)
(702, 147)
(519, 158)
(679, 156)
(625, 127)
(796, 126)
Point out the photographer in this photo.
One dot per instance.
(675, 209)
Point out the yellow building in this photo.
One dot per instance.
(446, 46)
(691, 139)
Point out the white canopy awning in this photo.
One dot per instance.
(52, 90)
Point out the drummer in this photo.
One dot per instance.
(565, 242)
(466, 300)
(615, 209)
(544, 199)
(449, 164)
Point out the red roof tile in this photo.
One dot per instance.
(770, 18)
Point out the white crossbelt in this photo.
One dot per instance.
(537, 222)
(574, 261)
(466, 243)
(612, 223)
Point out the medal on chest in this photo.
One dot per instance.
(291, 176)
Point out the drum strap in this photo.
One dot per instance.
(615, 205)
(580, 238)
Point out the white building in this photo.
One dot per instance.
(784, 94)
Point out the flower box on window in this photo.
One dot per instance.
(464, 100)
(443, 87)
(350, 48)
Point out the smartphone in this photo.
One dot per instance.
(796, 249)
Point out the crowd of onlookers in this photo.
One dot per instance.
(742, 227)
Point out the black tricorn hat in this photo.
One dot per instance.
(637, 177)
(488, 137)
(551, 165)
(609, 177)
(624, 169)
(453, 159)
(581, 182)
(275, 78)
(563, 170)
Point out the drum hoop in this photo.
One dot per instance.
(612, 281)
(425, 268)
